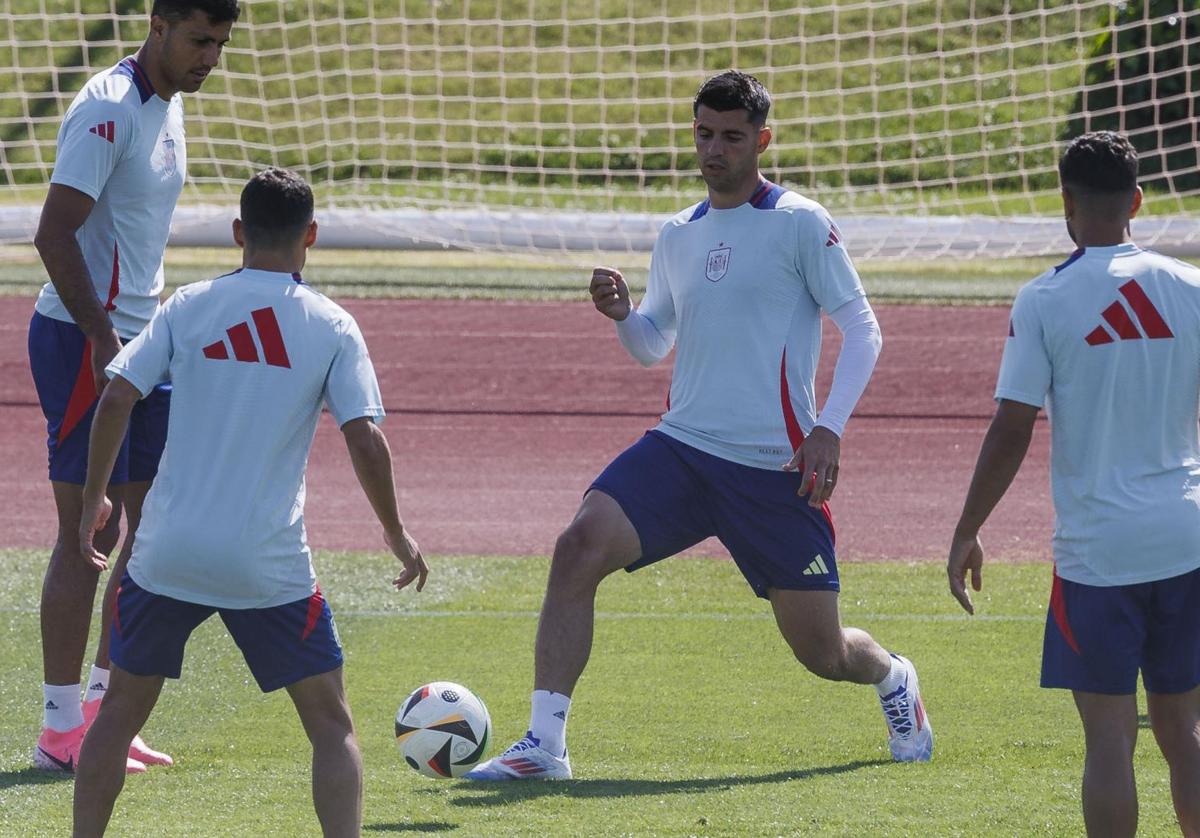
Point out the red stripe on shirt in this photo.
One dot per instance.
(270, 337)
(242, 342)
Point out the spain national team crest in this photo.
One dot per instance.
(718, 264)
(169, 164)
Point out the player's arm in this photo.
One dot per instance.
(1000, 459)
(372, 459)
(818, 457)
(63, 214)
(108, 433)
(647, 332)
(1026, 374)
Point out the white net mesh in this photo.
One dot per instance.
(926, 127)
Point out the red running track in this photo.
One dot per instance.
(501, 413)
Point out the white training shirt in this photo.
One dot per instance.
(742, 289)
(123, 146)
(251, 357)
(1109, 343)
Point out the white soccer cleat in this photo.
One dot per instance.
(910, 736)
(525, 760)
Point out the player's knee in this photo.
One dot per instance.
(578, 557)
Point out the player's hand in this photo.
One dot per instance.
(817, 461)
(966, 553)
(104, 349)
(405, 548)
(610, 293)
(92, 520)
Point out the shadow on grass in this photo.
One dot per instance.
(425, 826)
(496, 793)
(32, 777)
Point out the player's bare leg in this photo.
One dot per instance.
(1175, 720)
(102, 762)
(336, 762)
(1110, 806)
(599, 541)
(69, 587)
(810, 623)
(68, 593)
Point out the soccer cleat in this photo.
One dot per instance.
(139, 751)
(525, 760)
(60, 751)
(910, 736)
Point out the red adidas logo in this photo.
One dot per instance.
(834, 236)
(107, 130)
(1118, 318)
(241, 338)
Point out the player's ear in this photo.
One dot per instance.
(239, 237)
(1068, 203)
(310, 235)
(764, 138)
(158, 27)
(1137, 201)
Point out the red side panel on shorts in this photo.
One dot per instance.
(1058, 607)
(116, 623)
(83, 395)
(316, 604)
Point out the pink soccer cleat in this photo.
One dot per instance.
(139, 751)
(60, 751)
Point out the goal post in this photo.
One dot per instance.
(929, 128)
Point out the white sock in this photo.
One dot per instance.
(97, 684)
(61, 710)
(894, 678)
(548, 720)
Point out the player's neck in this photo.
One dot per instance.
(153, 70)
(736, 197)
(274, 261)
(1102, 235)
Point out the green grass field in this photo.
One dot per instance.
(692, 718)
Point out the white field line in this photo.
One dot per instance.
(651, 615)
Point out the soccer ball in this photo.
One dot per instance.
(442, 729)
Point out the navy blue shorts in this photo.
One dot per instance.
(59, 357)
(676, 496)
(1098, 638)
(281, 645)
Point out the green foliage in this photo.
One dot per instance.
(1142, 78)
(692, 718)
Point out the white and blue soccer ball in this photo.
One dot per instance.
(442, 729)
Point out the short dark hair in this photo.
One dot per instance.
(734, 90)
(277, 207)
(218, 11)
(1099, 163)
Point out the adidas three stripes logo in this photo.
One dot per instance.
(241, 338)
(1117, 317)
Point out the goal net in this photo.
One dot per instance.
(928, 127)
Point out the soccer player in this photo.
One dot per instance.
(252, 356)
(1109, 343)
(737, 284)
(122, 160)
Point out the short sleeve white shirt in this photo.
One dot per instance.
(252, 357)
(125, 147)
(1109, 343)
(741, 292)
